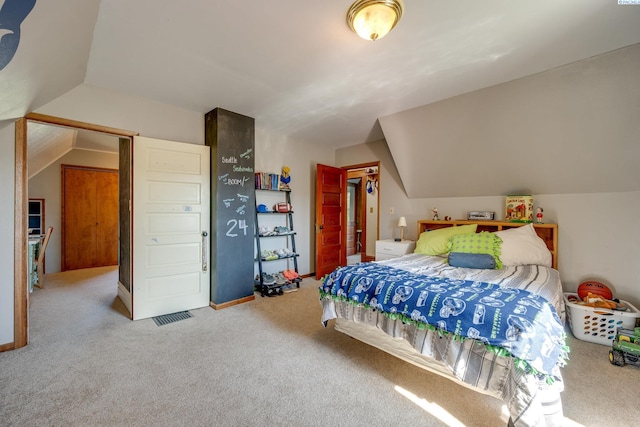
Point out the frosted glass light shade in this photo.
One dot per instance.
(373, 19)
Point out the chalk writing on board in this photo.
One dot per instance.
(223, 177)
(243, 198)
(239, 224)
(227, 202)
(241, 209)
(242, 169)
(246, 154)
(229, 160)
(236, 181)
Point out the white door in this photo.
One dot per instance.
(170, 227)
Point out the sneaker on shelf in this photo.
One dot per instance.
(263, 231)
(268, 279)
(280, 279)
(288, 288)
(287, 252)
(290, 274)
(268, 255)
(282, 230)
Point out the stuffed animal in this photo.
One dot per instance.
(595, 300)
(285, 178)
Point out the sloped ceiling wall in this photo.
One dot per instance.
(573, 129)
(51, 58)
(46, 145)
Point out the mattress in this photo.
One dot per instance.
(540, 280)
(533, 400)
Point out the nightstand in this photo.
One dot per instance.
(387, 249)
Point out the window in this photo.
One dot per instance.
(36, 217)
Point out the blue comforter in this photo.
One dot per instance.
(511, 320)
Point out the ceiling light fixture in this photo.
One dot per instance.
(373, 19)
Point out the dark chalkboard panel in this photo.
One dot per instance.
(232, 140)
(124, 194)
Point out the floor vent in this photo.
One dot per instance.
(170, 318)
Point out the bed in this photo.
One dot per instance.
(498, 331)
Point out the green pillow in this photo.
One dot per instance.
(435, 242)
(477, 243)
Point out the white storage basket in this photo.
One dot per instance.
(598, 325)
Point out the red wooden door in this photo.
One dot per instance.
(331, 213)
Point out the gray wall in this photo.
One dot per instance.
(573, 129)
(7, 171)
(595, 239)
(568, 136)
(272, 153)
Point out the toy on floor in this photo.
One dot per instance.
(625, 347)
(597, 288)
(598, 301)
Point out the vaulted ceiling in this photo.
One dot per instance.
(294, 65)
(297, 68)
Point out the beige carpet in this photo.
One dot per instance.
(264, 363)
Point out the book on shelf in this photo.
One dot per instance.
(267, 181)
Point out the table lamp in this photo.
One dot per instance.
(402, 223)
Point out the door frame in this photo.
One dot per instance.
(21, 290)
(359, 170)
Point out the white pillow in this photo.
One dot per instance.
(522, 246)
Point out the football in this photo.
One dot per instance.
(594, 287)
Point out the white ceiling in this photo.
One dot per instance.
(299, 70)
(295, 66)
(47, 143)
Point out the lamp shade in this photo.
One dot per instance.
(402, 222)
(373, 19)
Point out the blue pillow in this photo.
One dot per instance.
(467, 260)
(477, 243)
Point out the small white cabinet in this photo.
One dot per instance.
(386, 249)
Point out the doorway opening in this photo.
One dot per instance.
(22, 175)
(363, 219)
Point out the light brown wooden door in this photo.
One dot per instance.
(89, 217)
(107, 218)
(331, 214)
